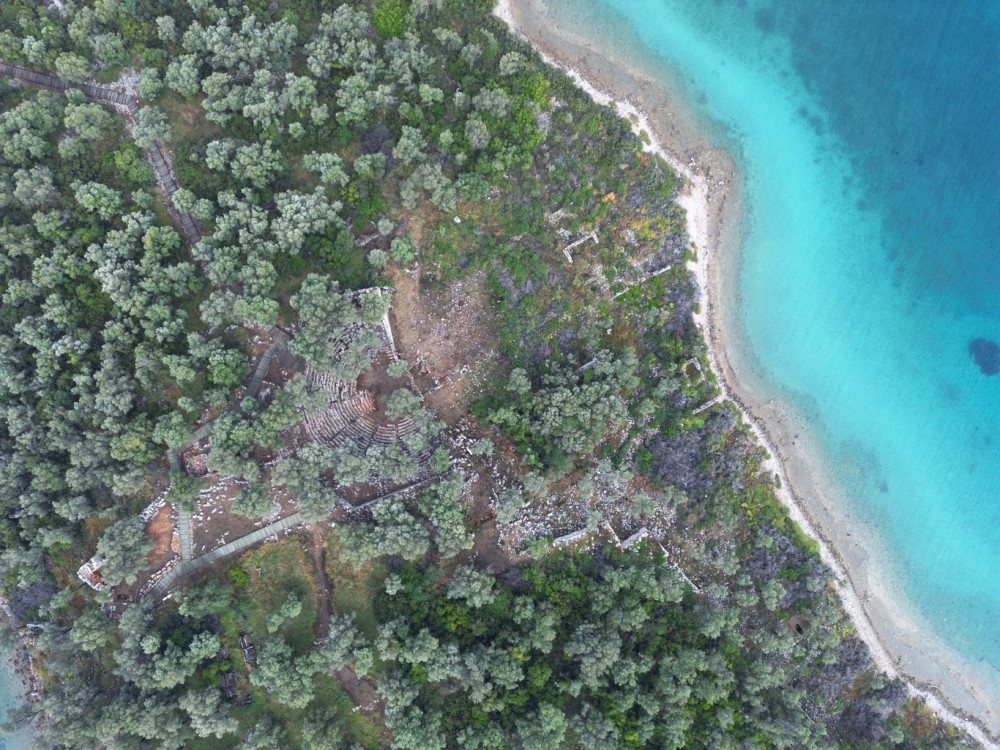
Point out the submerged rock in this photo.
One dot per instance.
(986, 355)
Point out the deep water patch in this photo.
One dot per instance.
(986, 354)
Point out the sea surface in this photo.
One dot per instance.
(867, 140)
(11, 692)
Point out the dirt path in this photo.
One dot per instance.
(318, 556)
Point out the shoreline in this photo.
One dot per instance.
(21, 668)
(711, 175)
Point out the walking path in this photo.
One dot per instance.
(157, 156)
(386, 496)
(159, 160)
(184, 534)
(174, 454)
(709, 404)
(188, 566)
(279, 343)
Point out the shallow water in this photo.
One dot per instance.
(866, 137)
(11, 690)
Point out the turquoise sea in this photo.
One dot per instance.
(867, 142)
(11, 690)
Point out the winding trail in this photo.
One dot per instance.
(160, 160)
(158, 157)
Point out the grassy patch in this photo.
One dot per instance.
(272, 572)
(763, 506)
(187, 118)
(354, 588)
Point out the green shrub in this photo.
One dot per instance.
(238, 577)
(389, 17)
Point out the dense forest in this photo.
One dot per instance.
(373, 273)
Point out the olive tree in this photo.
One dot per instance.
(33, 187)
(151, 128)
(253, 500)
(288, 677)
(403, 250)
(91, 630)
(90, 121)
(401, 403)
(98, 198)
(123, 548)
(209, 717)
(473, 585)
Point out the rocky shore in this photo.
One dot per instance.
(20, 660)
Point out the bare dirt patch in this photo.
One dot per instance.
(450, 339)
(214, 523)
(363, 692)
(486, 477)
(161, 530)
(276, 374)
(317, 555)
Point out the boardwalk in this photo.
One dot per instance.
(402, 490)
(709, 404)
(103, 94)
(279, 344)
(157, 156)
(184, 534)
(188, 566)
(174, 454)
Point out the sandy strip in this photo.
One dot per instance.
(947, 685)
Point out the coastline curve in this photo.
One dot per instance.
(900, 646)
